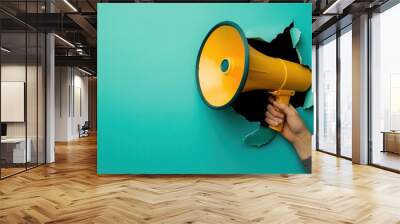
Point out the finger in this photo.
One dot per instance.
(282, 107)
(271, 122)
(275, 111)
(271, 99)
(272, 117)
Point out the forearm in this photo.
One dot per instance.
(302, 144)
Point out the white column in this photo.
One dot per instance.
(360, 90)
(50, 99)
(50, 92)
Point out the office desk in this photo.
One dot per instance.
(15, 148)
(391, 141)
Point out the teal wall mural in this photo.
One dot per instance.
(151, 118)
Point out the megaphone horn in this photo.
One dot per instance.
(227, 65)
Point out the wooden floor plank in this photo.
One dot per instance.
(70, 191)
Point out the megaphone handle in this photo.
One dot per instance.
(281, 96)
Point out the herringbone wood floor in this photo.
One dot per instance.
(70, 191)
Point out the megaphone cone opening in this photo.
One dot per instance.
(223, 63)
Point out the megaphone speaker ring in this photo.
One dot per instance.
(222, 65)
(225, 66)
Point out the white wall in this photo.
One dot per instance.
(62, 82)
(80, 110)
(16, 72)
(71, 102)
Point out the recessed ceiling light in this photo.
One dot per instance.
(333, 6)
(337, 7)
(5, 50)
(70, 5)
(84, 71)
(65, 41)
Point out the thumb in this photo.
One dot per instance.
(288, 110)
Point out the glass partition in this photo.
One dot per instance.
(41, 107)
(314, 89)
(32, 95)
(14, 153)
(327, 95)
(31, 101)
(385, 89)
(346, 93)
(22, 77)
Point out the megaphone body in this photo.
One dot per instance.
(227, 65)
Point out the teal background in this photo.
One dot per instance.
(151, 119)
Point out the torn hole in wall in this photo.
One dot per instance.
(252, 105)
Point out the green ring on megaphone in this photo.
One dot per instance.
(225, 65)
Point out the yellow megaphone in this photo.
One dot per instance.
(227, 65)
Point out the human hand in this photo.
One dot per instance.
(293, 129)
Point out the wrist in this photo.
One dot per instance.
(302, 144)
(302, 136)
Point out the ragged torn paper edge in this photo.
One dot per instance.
(295, 35)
